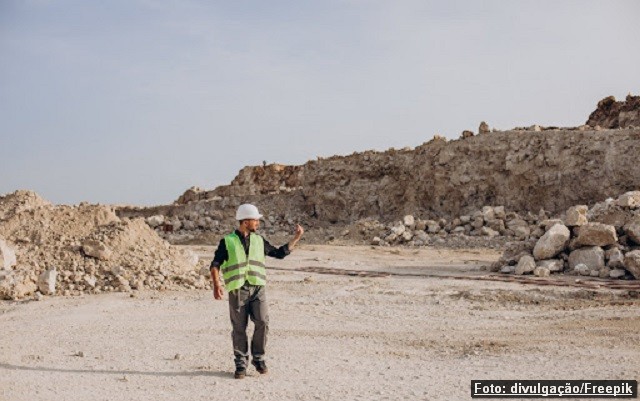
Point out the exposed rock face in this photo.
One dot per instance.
(550, 170)
(552, 242)
(614, 114)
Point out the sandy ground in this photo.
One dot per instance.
(333, 337)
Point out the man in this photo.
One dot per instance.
(240, 260)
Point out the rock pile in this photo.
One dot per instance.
(490, 222)
(603, 241)
(70, 250)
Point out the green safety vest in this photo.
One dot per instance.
(237, 269)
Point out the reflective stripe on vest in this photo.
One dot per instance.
(237, 268)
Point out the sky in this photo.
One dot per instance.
(134, 101)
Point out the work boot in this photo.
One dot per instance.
(261, 366)
(240, 373)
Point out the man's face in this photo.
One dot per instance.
(252, 225)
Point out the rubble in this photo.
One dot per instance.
(92, 249)
(604, 242)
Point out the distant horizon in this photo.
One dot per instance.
(133, 102)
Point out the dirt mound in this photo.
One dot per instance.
(85, 249)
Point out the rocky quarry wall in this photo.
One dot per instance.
(526, 171)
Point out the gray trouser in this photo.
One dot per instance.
(248, 301)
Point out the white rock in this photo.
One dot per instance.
(526, 264)
(191, 257)
(376, 241)
(407, 235)
(47, 282)
(552, 242)
(541, 272)
(155, 221)
(629, 199)
(398, 230)
(90, 281)
(577, 215)
(7, 255)
(409, 221)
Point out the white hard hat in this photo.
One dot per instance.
(247, 211)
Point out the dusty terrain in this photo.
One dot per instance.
(333, 336)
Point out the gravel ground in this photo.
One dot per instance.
(333, 337)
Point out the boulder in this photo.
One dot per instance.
(409, 221)
(592, 257)
(7, 255)
(615, 258)
(499, 212)
(155, 221)
(488, 232)
(376, 241)
(616, 273)
(526, 264)
(96, 250)
(576, 215)
(47, 281)
(507, 269)
(488, 213)
(632, 263)
(552, 242)
(632, 229)
(553, 265)
(541, 272)
(629, 199)
(596, 234)
(496, 224)
(521, 232)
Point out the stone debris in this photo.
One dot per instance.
(604, 242)
(92, 249)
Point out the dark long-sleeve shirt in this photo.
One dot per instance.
(221, 254)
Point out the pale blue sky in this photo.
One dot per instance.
(134, 101)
